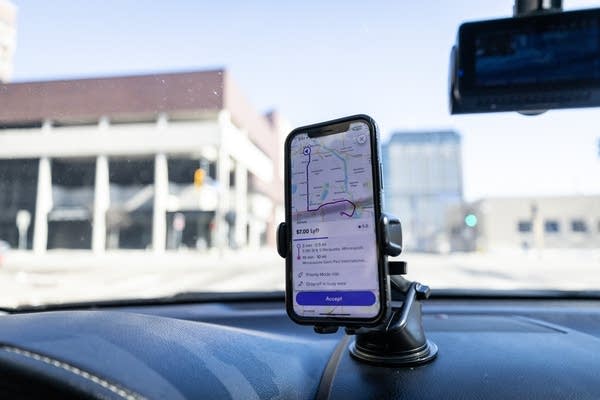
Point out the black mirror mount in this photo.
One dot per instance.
(529, 7)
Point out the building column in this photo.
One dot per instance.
(222, 172)
(256, 229)
(101, 204)
(43, 206)
(161, 194)
(537, 226)
(241, 203)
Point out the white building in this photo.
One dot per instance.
(111, 163)
(8, 37)
(527, 223)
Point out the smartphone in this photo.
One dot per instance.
(335, 267)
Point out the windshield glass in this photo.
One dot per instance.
(141, 148)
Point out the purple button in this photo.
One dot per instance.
(361, 298)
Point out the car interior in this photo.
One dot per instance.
(436, 343)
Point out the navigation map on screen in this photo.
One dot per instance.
(335, 270)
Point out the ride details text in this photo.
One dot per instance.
(331, 263)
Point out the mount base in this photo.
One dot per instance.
(411, 358)
(401, 341)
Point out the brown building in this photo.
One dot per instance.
(138, 162)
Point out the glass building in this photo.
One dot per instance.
(423, 180)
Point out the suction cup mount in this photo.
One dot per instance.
(401, 340)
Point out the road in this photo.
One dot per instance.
(67, 276)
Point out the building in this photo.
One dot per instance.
(157, 162)
(511, 223)
(8, 38)
(423, 179)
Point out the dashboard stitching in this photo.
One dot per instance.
(125, 394)
(544, 324)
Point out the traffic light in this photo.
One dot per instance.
(199, 177)
(471, 220)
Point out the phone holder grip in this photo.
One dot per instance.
(391, 234)
(282, 240)
(389, 227)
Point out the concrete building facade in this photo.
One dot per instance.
(155, 162)
(514, 223)
(423, 179)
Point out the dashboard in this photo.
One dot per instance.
(488, 348)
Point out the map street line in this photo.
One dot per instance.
(306, 152)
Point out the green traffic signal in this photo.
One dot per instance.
(471, 220)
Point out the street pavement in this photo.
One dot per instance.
(69, 276)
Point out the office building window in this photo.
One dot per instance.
(551, 226)
(578, 225)
(524, 226)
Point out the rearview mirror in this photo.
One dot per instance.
(527, 64)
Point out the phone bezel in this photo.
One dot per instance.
(384, 290)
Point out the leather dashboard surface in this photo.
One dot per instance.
(487, 350)
(157, 357)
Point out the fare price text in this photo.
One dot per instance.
(307, 231)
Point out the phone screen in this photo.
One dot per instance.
(335, 270)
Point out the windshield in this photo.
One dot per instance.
(141, 148)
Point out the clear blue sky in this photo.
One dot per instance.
(315, 60)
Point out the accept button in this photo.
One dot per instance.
(364, 298)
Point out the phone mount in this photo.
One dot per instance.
(400, 340)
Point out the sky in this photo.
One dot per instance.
(318, 60)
